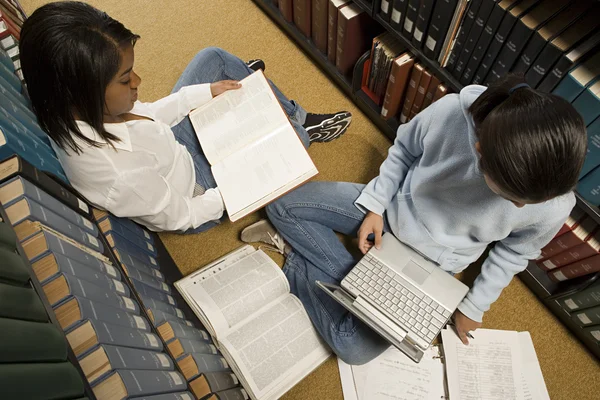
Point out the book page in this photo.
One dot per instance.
(236, 118)
(489, 368)
(255, 175)
(275, 349)
(533, 381)
(393, 375)
(229, 293)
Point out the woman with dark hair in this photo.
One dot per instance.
(136, 160)
(495, 164)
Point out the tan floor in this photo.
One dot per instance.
(173, 31)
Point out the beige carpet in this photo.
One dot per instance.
(173, 31)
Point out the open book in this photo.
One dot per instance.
(255, 153)
(496, 365)
(262, 330)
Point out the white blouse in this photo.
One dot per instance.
(148, 177)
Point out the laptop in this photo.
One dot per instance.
(400, 294)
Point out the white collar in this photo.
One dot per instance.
(120, 130)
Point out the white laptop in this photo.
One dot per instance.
(400, 294)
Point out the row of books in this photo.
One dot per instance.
(20, 132)
(575, 251)
(584, 309)
(103, 322)
(32, 349)
(11, 21)
(339, 29)
(396, 82)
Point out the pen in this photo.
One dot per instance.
(450, 323)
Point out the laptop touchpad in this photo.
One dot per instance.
(415, 272)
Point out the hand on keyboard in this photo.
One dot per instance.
(372, 224)
(464, 325)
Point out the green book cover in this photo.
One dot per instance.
(27, 341)
(12, 267)
(21, 303)
(40, 381)
(7, 236)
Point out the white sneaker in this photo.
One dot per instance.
(264, 232)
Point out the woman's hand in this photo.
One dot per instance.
(464, 325)
(217, 88)
(372, 224)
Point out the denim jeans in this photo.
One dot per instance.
(212, 65)
(308, 218)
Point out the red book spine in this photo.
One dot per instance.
(577, 269)
(573, 254)
(570, 239)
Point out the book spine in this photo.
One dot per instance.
(593, 332)
(169, 396)
(79, 287)
(124, 227)
(97, 278)
(127, 247)
(98, 311)
(580, 268)
(70, 265)
(509, 53)
(319, 24)
(149, 291)
(52, 204)
(592, 158)
(544, 77)
(420, 96)
(57, 245)
(127, 337)
(287, 10)
(332, 17)
(144, 382)
(591, 316)
(160, 317)
(195, 346)
(25, 341)
(218, 381)
(398, 14)
(385, 9)
(588, 104)
(568, 88)
(21, 303)
(208, 363)
(182, 331)
(586, 298)
(128, 358)
(301, 16)
(412, 12)
(508, 21)
(422, 22)
(342, 24)
(529, 53)
(411, 92)
(149, 302)
(569, 256)
(132, 262)
(232, 394)
(440, 22)
(473, 37)
(147, 279)
(463, 33)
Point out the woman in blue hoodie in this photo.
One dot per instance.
(482, 166)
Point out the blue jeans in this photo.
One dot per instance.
(308, 219)
(212, 65)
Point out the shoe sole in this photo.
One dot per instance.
(338, 126)
(255, 232)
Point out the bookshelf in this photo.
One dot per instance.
(536, 279)
(35, 283)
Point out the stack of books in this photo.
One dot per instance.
(584, 309)
(575, 251)
(396, 82)
(11, 21)
(33, 351)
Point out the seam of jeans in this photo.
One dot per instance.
(286, 215)
(315, 300)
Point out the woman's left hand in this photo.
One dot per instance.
(217, 88)
(464, 325)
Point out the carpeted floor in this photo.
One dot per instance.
(173, 31)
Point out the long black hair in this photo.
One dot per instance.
(70, 51)
(532, 144)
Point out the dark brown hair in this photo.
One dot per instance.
(70, 51)
(532, 144)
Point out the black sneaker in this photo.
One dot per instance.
(257, 64)
(327, 127)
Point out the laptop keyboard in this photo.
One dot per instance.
(416, 312)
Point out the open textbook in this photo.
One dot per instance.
(263, 331)
(255, 153)
(496, 365)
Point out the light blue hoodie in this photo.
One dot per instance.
(437, 201)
